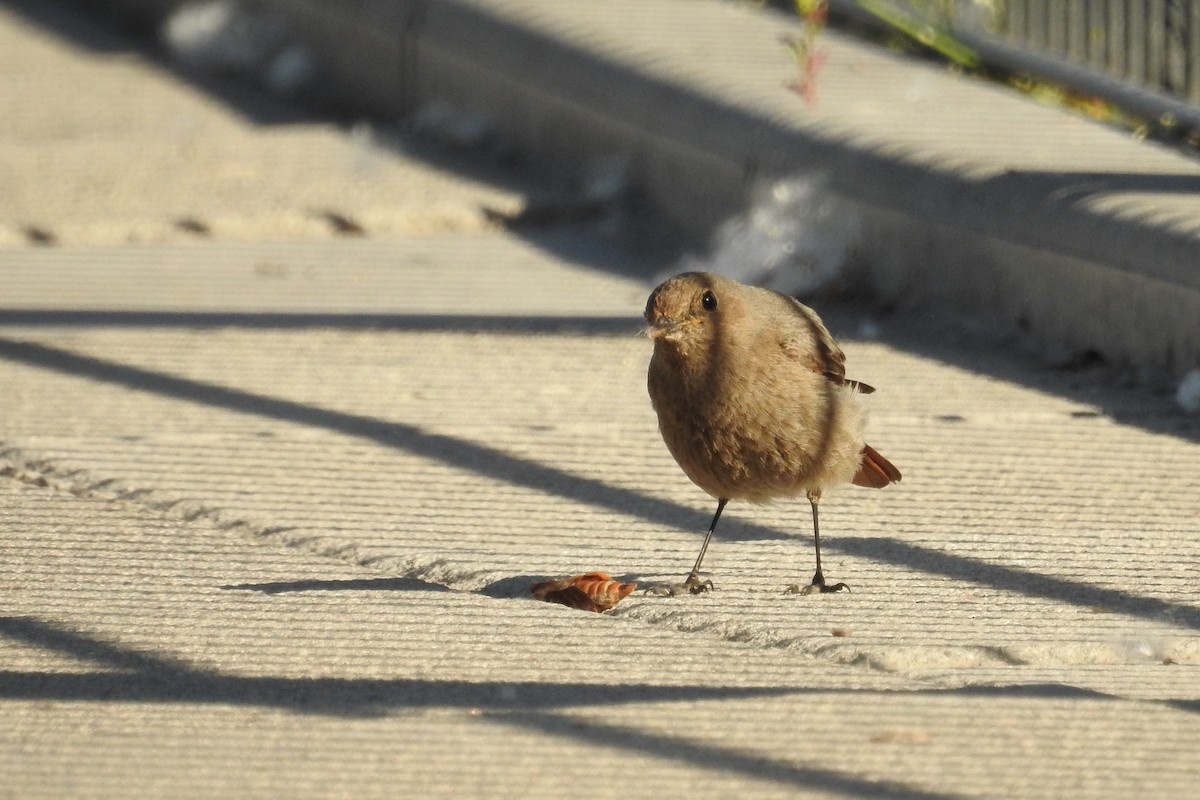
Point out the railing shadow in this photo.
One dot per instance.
(344, 585)
(305, 320)
(527, 473)
(1053, 192)
(144, 677)
(538, 707)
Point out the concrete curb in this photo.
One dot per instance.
(1100, 259)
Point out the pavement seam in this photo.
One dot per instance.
(21, 466)
(37, 471)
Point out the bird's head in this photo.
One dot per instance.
(685, 311)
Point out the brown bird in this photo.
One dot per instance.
(753, 401)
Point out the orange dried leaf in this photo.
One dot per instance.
(592, 591)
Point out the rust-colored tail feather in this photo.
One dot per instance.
(876, 471)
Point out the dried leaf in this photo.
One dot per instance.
(592, 591)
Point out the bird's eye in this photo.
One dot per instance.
(709, 301)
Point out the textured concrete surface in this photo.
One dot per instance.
(957, 192)
(270, 507)
(293, 551)
(152, 157)
(963, 193)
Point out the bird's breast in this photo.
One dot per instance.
(739, 434)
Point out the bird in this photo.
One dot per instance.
(753, 402)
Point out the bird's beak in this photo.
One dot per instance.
(663, 328)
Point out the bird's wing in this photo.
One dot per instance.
(817, 350)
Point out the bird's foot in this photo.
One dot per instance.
(818, 586)
(690, 585)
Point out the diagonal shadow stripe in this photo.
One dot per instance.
(345, 585)
(85, 648)
(714, 756)
(530, 706)
(299, 320)
(973, 570)
(366, 697)
(488, 461)
(460, 453)
(150, 678)
(144, 677)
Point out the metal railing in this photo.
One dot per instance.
(1153, 43)
(1141, 56)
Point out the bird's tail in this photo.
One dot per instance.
(875, 471)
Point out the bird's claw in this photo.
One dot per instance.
(692, 585)
(818, 586)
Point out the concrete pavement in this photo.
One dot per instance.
(957, 192)
(262, 558)
(269, 505)
(152, 157)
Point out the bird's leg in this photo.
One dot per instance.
(818, 582)
(692, 583)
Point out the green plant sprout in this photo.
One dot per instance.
(932, 31)
(809, 57)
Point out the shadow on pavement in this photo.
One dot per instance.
(535, 707)
(299, 320)
(938, 562)
(96, 30)
(349, 585)
(714, 756)
(151, 678)
(496, 464)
